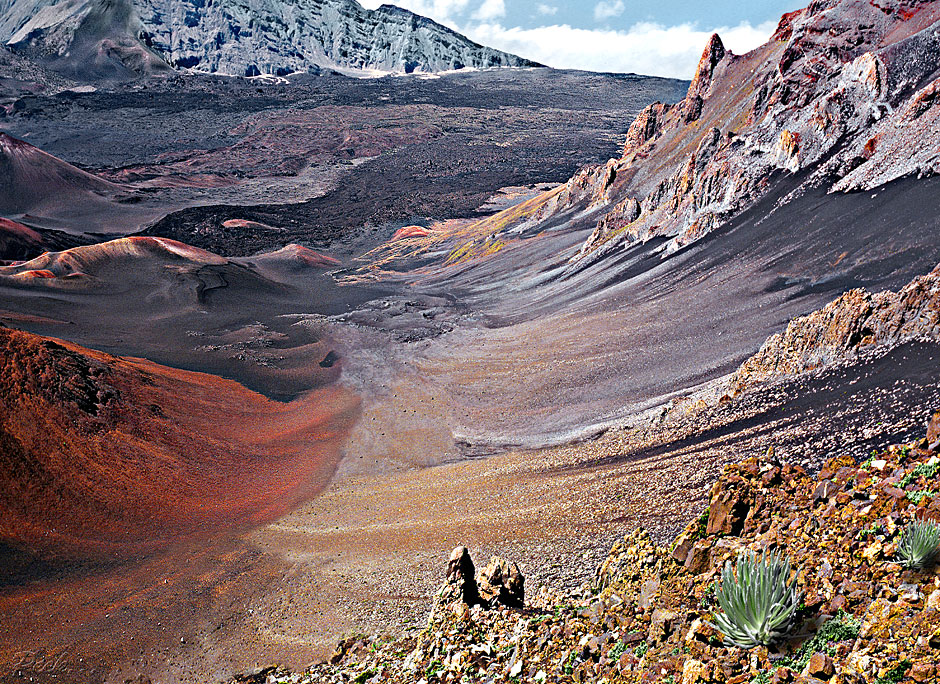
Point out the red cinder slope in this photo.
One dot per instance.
(17, 240)
(101, 455)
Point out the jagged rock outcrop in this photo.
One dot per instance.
(701, 83)
(646, 126)
(500, 583)
(857, 321)
(238, 37)
(845, 94)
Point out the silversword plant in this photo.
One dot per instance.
(920, 542)
(759, 600)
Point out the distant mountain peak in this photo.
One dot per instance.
(237, 37)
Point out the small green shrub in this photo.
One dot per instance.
(919, 495)
(616, 650)
(759, 600)
(919, 543)
(928, 470)
(841, 627)
(895, 674)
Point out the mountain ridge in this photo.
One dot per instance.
(843, 97)
(238, 37)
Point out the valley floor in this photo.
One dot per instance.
(370, 550)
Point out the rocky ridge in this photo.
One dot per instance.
(843, 96)
(645, 616)
(237, 37)
(856, 327)
(847, 327)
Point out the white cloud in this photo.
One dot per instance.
(546, 10)
(444, 11)
(490, 9)
(608, 9)
(645, 48)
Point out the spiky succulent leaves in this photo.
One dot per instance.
(919, 544)
(759, 600)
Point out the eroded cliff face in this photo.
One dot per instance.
(844, 95)
(241, 37)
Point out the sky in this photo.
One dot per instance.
(653, 37)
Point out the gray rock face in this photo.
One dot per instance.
(244, 37)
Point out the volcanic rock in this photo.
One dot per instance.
(461, 584)
(873, 624)
(499, 584)
(502, 583)
(855, 322)
(238, 37)
(933, 432)
(820, 666)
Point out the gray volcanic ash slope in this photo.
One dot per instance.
(58, 198)
(30, 178)
(237, 37)
(772, 188)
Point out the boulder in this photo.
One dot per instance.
(501, 582)
(933, 432)
(820, 666)
(726, 511)
(460, 584)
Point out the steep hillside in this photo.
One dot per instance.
(842, 98)
(238, 37)
(87, 39)
(114, 456)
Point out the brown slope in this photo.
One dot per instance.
(115, 456)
